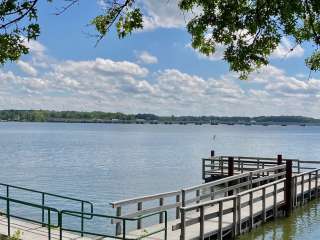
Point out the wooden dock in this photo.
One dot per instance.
(246, 192)
(252, 192)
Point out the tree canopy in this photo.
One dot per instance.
(249, 30)
(76, 116)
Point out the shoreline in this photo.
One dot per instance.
(265, 124)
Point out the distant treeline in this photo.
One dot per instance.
(75, 116)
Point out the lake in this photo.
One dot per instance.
(107, 162)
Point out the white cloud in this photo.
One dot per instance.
(6, 77)
(108, 85)
(278, 83)
(35, 47)
(259, 93)
(27, 68)
(102, 3)
(218, 54)
(146, 57)
(157, 14)
(287, 49)
(163, 14)
(283, 51)
(100, 65)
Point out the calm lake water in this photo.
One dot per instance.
(106, 162)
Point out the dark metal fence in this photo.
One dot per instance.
(53, 218)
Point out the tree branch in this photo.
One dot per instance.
(3, 26)
(65, 8)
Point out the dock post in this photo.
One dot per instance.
(239, 230)
(212, 153)
(178, 206)
(183, 226)
(279, 159)
(139, 222)
(213, 162)
(161, 214)
(203, 169)
(230, 166)
(183, 198)
(288, 188)
(230, 172)
(201, 222)
(279, 162)
(316, 187)
(118, 225)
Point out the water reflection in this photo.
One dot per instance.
(303, 224)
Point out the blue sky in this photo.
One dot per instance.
(154, 70)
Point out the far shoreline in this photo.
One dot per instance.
(265, 124)
(148, 118)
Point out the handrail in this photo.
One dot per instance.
(252, 158)
(215, 201)
(122, 219)
(158, 202)
(49, 210)
(306, 173)
(270, 161)
(231, 178)
(48, 194)
(43, 199)
(216, 166)
(309, 161)
(214, 183)
(208, 203)
(144, 198)
(261, 159)
(59, 221)
(252, 190)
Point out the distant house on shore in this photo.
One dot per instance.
(140, 121)
(154, 122)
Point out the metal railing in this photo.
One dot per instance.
(49, 211)
(82, 203)
(56, 221)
